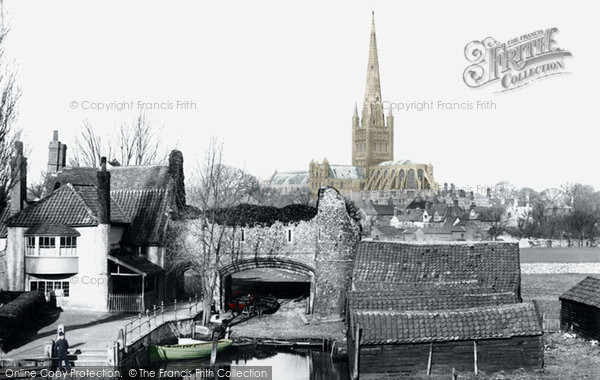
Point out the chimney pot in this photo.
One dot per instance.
(55, 135)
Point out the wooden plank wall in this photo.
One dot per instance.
(583, 319)
(492, 355)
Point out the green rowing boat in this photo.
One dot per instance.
(186, 351)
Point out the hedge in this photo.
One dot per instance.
(255, 215)
(21, 314)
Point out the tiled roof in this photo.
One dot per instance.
(505, 321)
(149, 212)
(410, 216)
(586, 292)
(390, 266)
(52, 230)
(386, 231)
(122, 177)
(427, 299)
(289, 178)
(346, 172)
(69, 205)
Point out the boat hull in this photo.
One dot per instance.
(186, 351)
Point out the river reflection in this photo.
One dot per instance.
(286, 364)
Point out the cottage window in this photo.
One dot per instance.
(68, 245)
(30, 246)
(289, 235)
(49, 286)
(47, 245)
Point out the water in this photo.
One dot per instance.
(286, 364)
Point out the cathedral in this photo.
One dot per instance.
(373, 166)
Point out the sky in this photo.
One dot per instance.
(277, 82)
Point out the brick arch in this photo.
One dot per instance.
(241, 265)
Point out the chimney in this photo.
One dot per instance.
(103, 193)
(488, 192)
(57, 154)
(452, 188)
(18, 193)
(176, 173)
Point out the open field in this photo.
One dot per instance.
(560, 255)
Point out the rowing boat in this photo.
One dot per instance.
(186, 351)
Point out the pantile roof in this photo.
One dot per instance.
(504, 321)
(69, 205)
(586, 292)
(427, 299)
(149, 210)
(492, 266)
(4, 213)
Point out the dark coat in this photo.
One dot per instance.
(61, 347)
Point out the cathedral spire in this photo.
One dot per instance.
(373, 89)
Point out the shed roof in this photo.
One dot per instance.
(427, 299)
(492, 266)
(289, 178)
(397, 327)
(586, 292)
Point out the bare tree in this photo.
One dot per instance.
(135, 143)
(205, 239)
(9, 95)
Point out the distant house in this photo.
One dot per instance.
(434, 307)
(97, 239)
(580, 308)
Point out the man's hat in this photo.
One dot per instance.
(61, 334)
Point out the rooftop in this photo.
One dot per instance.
(586, 292)
(289, 178)
(504, 321)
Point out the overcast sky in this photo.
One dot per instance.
(277, 82)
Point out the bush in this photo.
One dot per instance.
(21, 314)
(7, 296)
(255, 215)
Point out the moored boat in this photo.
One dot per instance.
(186, 351)
(239, 301)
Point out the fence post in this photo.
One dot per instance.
(148, 319)
(162, 310)
(196, 301)
(154, 312)
(190, 304)
(175, 308)
(140, 324)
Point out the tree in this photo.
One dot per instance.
(9, 96)
(201, 243)
(135, 143)
(497, 220)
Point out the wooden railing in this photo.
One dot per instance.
(158, 315)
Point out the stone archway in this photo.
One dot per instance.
(241, 265)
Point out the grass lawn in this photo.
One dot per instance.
(560, 255)
(546, 288)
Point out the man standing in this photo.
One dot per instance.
(62, 351)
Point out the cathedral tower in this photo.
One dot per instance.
(372, 134)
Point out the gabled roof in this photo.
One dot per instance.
(68, 205)
(149, 210)
(493, 266)
(586, 292)
(410, 216)
(289, 178)
(505, 321)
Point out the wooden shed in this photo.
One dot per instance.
(390, 344)
(580, 308)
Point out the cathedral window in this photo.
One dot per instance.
(386, 147)
(380, 147)
(374, 147)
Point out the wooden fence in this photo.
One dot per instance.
(125, 302)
